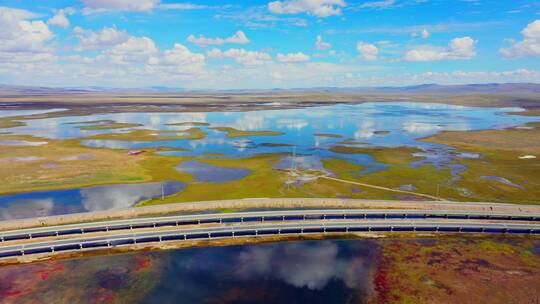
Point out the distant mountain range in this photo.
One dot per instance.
(14, 89)
(489, 88)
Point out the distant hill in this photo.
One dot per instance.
(9, 89)
(469, 88)
(489, 88)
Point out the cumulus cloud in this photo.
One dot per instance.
(242, 56)
(23, 39)
(529, 46)
(191, 6)
(92, 6)
(60, 18)
(181, 55)
(319, 8)
(238, 38)
(104, 38)
(367, 51)
(134, 51)
(292, 57)
(378, 4)
(321, 45)
(459, 49)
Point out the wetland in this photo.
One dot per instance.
(421, 270)
(454, 152)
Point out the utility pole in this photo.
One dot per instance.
(162, 191)
(293, 163)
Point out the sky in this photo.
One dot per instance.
(265, 44)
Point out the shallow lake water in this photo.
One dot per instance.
(388, 124)
(55, 202)
(331, 271)
(207, 173)
(310, 132)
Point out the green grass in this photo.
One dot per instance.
(235, 133)
(6, 123)
(275, 145)
(352, 142)
(198, 124)
(152, 135)
(112, 126)
(392, 156)
(328, 135)
(500, 151)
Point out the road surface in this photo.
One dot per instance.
(83, 237)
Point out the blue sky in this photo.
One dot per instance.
(268, 44)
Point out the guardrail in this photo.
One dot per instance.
(263, 216)
(262, 230)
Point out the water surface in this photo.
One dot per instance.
(208, 173)
(55, 202)
(289, 272)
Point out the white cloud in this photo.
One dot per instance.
(238, 38)
(367, 51)
(378, 4)
(104, 38)
(292, 57)
(181, 55)
(181, 6)
(459, 49)
(23, 39)
(92, 6)
(192, 6)
(242, 56)
(60, 19)
(319, 8)
(321, 45)
(529, 46)
(134, 51)
(424, 33)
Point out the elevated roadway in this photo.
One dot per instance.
(260, 216)
(129, 232)
(265, 203)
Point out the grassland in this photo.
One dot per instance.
(6, 123)
(352, 142)
(392, 156)
(30, 168)
(108, 166)
(235, 133)
(181, 124)
(500, 152)
(105, 125)
(153, 135)
(275, 145)
(457, 270)
(331, 135)
(425, 179)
